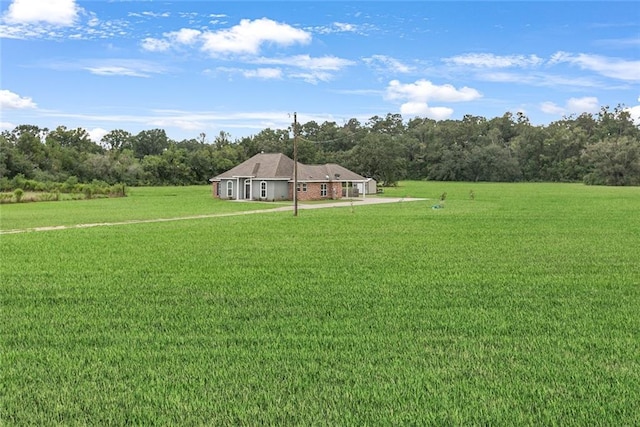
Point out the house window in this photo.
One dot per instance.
(263, 189)
(302, 187)
(229, 189)
(323, 190)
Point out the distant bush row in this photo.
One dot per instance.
(19, 189)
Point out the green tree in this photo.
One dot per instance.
(614, 161)
(491, 163)
(77, 139)
(150, 143)
(381, 157)
(117, 140)
(126, 168)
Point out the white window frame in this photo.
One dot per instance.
(263, 189)
(302, 186)
(229, 188)
(323, 189)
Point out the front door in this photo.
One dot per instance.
(247, 189)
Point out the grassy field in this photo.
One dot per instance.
(519, 307)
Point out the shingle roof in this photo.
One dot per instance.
(279, 166)
(330, 171)
(273, 165)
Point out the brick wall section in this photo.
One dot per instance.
(214, 189)
(334, 191)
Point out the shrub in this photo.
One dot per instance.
(5, 184)
(18, 194)
(117, 190)
(88, 191)
(18, 181)
(48, 197)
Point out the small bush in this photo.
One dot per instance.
(18, 193)
(117, 190)
(48, 197)
(5, 184)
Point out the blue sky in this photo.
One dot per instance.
(193, 67)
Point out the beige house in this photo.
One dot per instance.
(270, 177)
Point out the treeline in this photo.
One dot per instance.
(601, 148)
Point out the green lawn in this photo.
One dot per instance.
(519, 307)
(142, 203)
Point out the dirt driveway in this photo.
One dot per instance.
(301, 206)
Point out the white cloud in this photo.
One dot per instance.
(587, 104)
(423, 109)
(551, 108)
(538, 79)
(634, 112)
(303, 67)
(249, 36)
(155, 45)
(113, 70)
(313, 77)
(149, 14)
(425, 91)
(489, 60)
(341, 26)
(418, 95)
(117, 67)
(615, 68)
(54, 12)
(329, 63)
(184, 36)
(387, 64)
(7, 126)
(96, 134)
(13, 101)
(263, 73)
(338, 27)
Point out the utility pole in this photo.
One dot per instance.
(295, 164)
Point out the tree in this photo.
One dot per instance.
(33, 151)
(391, 124)
(381, 157)
(419, 141)
(12, 161)
(492, 163)
(117, 140)
(614, 161)
(201, 164)
(150, 143)
(268, 141)
(222, 140)
(615, 123)
(77, 139)
(126, 168)
(529, 150)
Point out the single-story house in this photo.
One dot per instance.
(270, 177)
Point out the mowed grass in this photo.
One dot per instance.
(142, 203)
(520, 307)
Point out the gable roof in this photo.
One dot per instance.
(279, 166)
(273, 166)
